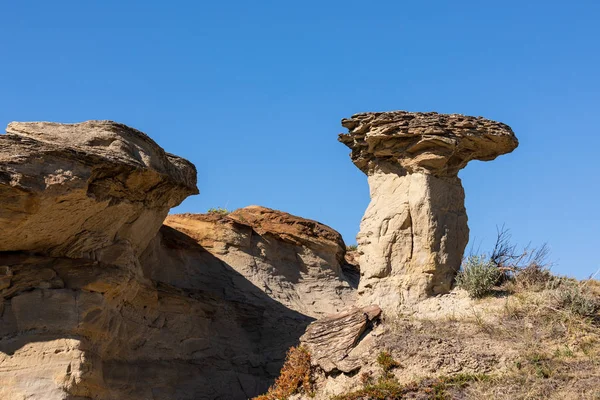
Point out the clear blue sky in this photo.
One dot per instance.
(253, 93)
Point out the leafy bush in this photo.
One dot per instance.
(478, 276)
(218, 211)
(296, 376)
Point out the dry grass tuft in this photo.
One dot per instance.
(296, 376)
(386, 362)
(533, 278)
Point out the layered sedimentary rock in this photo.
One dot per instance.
(81, 329)
(414, 231)
(99, 301)
(331, 340)
(97, 190)
(297, 262)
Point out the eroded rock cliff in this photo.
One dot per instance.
(100, 301)
(97, 190)
(297, 262)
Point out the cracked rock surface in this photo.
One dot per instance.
(414, 231)
(332, 339)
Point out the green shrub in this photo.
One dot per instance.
(478, 276)
(218, 211)
(352, 247)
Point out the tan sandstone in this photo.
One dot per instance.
(297, 262)
(99, 300)
(97, 190)
(414, 231)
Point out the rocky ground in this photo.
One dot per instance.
(517, 344)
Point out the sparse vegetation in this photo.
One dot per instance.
(386, 362)
(539, 338)
(478, 276)
(218, 211)
(440, 388)
(383, 389)
(387, 387)
(352, 247)
(533, 277)
(296, 376)
(577, 299)
(523, 270)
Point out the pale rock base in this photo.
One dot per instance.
(411, 238)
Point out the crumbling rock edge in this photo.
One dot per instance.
(331, 340)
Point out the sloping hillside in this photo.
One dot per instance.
(531, 338)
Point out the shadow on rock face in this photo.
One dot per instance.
(99, 302)
(295, 261)
(190, 328)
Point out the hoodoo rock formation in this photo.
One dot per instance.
(99, 300)
(414, 231)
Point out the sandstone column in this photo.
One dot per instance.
(414, 231)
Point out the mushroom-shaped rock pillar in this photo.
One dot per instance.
(414, 231)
